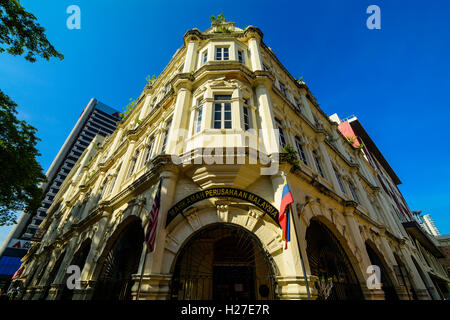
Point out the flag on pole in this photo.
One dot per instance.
(150, 235)
(284, 217)
(18, 273)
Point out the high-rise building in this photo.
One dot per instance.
(225, 132)
(96, 118)
(429, 222)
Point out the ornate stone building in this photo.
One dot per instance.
(211, 129)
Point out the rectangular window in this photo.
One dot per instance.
(282, 140)
(283, 88)
(241, 56)
(133, 163)
(222, 112)
(222, 53)
(301, 151)
(198, 120)
(205, 57)
(298, 105)
(338, 178)
(354, 193)
(166, 134)
(149, 150)
(246, 115)
(318, 164)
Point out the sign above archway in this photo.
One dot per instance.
(223, 192)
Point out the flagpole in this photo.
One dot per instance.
(146, 244)
(142, 271)
(300, 251)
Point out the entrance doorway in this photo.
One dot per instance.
(223, 262)
(120, 263)
(386, 283)
(329, 262)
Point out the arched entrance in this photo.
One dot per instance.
(223, 262)
(404, 278)
(386, 283)
(52, 276)
(119, 263)
(328, 261)
(422, 276)
(79, 259)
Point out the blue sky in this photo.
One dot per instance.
(396, 80)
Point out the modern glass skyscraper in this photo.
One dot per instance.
(96, 118)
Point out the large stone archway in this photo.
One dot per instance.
(161, 265)
(387, 283)
(328, 261)
(119, 261)
(223, 261)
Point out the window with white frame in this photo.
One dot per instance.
(198, 116)
(318, 163)
(204, 57)
(281, 137)
(222, 112)
(247, 115)
(241, 57)
(222, 53)
(301, 150)
(166, 135)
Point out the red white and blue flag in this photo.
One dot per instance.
(284, 217)
(150, 235)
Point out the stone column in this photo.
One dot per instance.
(145, 108)
(178, 131)
(291, 282)
(363, 260)
(124, 169)
(363, 195)
(191, 55)
(328, 166)
(307, 108)
(87, 274)
(255, 54)
(269, 139)
(116, 141)
(155, 282)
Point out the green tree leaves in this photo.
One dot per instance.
(20, 173)
(21, 34)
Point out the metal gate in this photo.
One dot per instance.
(328, 261)
(121, 262)
(223, 262)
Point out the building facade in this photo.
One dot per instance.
(222, 129)
(424, 248)
(96, 118)
(444, 244)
